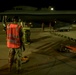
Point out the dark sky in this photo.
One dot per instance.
(57, 4)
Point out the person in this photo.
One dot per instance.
(4, 22)
(50, 25)
(14, 43)
(42, 26)
(20, 22)
(4, 26)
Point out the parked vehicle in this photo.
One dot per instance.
(62, 26)
(66, 28)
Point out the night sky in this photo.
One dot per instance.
(57, 4)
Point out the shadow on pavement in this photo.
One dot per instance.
(39, 39)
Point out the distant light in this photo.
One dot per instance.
(52, 8)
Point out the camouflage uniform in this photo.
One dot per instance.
(15, 55)
(26, 35)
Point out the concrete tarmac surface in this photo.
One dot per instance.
(44, 59)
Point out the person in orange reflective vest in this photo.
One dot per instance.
(14, 43)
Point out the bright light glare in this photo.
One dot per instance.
(52, 8)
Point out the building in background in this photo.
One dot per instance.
(24, 8)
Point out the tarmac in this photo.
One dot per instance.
(68, 34)
(40, 63)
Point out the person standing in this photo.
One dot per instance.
(14, 43)
(42, 26)
(4, 22)
(50, 26)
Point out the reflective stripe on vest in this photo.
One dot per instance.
(12, 41)
(10, 35)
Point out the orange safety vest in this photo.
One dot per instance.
(13, 38)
